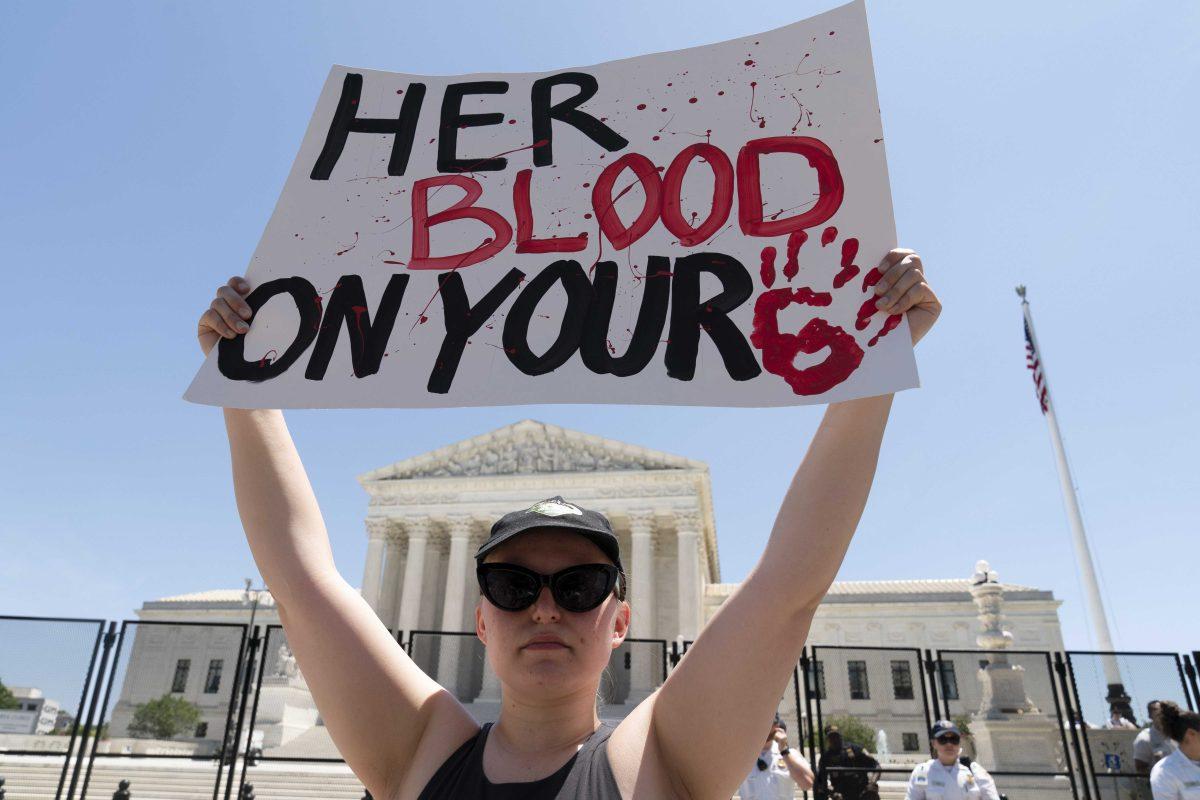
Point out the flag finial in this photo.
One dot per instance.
(1021, 291)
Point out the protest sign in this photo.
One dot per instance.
(698, 227)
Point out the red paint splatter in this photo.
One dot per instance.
(849, 270)
(762, 121)
(641, 106)
(781, 349)
(828, 235)
(611, 349)
(266, 359)
(888, 325)
(353, 245)
(767, 269)
(796, 240)
(749, 62)
(358, 312)
(690, 100)
(422, 319)
(720, 93)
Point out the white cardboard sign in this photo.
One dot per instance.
(697, 227)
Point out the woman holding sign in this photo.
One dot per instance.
(552, 611)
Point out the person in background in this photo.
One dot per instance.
(779, 770)
(1152, 744)
(1177, 776)
(945, 777)
(1118, 722)
(846, 767)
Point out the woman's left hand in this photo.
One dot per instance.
(903, 290)
(780, 737)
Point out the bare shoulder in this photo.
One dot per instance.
(637, 760)
(450, 725)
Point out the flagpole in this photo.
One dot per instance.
(1083, 554)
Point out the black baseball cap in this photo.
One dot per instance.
(554, 512)
(944, 726)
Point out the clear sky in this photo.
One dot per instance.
(1052, 144)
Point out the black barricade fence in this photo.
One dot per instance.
(285, 750)
(458, 661)
(168, 711)
(48, 673)
(635, 670)
(1008, 705)
(877, 698)
(205, 709)
(1126, 683)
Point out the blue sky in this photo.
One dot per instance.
(143, 147)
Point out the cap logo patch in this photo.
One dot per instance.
(555, 508)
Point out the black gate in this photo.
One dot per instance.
(1102, 683)
(878, 698)
(62, 658)
(272, 681)
(1010, 707)
(149, 700)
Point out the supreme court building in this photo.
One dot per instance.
(427, 515)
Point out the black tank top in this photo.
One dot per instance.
(587, 776)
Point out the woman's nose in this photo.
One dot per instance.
(545, 607)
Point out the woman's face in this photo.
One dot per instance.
(590, 636)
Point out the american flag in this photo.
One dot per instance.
(1034, 363)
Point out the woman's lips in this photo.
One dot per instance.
(545, 646)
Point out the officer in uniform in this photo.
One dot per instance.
(855, 783)
(946, 777)
(779, 769)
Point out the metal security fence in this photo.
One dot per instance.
(1002, 697)
(183, 715)
(1110, 695)
(57, 659)
(122, 685)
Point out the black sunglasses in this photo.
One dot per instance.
(511, 587)
(948, 738)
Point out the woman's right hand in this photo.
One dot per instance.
(226, 316)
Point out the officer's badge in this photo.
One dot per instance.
(970, 780)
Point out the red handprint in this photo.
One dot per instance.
(779, 350)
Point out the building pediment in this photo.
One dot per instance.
(527, 448)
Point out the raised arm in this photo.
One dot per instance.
(708, 714)
(375, 702)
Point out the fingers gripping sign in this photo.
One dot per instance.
(227, 316)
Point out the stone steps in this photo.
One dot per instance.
(36, 778)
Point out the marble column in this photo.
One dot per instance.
(390, 588)
(373, 570)
(647, 671)
(455, 599)
(409, 617)
(687, 531)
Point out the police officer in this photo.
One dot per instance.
(946, 777)
(779, 769)
(854, 783)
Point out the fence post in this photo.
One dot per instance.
(110, 638)
(934, 671)
(247, 677)
(1191, 664)
(1070, 715)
